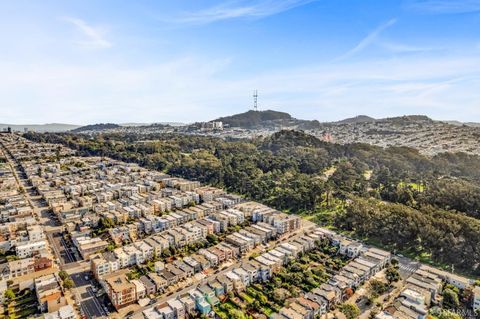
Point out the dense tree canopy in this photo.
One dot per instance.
(448, 237)
(392, 196)
(350, 311)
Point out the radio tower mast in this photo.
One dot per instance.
(255, 100)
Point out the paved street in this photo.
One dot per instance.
(90, 305)
(406, 266)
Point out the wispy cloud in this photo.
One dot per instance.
(368, 40)
(443, 87)
(444, 6)
(239, 9)
(94, 36)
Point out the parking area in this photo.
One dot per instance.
(65, 252)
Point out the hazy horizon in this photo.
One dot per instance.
(86, 62)
(193, 121)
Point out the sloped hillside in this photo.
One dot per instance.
(251, 119)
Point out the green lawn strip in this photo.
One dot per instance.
(267, 311)
(246, 297)
(220, 312)
(24, 301)
(26, 312)
(23, 307)
(24, 294)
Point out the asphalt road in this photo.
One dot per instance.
(406, 266)
(90, 305)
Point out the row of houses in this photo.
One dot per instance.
(166, 275)
(188, 233)
(22, 150)
(83, 190)
(366, 263)
(117, 284)
(123, 291)
(234, 246)
(423, 290)
(119, 207)
(19, 234)
(18, 229)
(22, 267)
(87, 245)
(202, 298)
(143, 250)
(49, 293)
(145, 222)
(282, 222)
(177, 228)
(149, 223)
(104, 189)
(15, 208)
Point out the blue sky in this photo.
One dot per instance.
(153, 61)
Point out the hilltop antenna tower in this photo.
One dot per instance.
(255, 100)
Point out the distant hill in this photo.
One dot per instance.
(356, 119)
(269, 119)
(408, 119)
(472, 124)
(49, 127)
(134, 124)
(95, 127)
(147, 124)
(291, 138)
(458, 123)
(253, 119)
(428, 136)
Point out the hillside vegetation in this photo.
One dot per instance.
(356, 119)
(95, 127)
(252, 118)
(394, 197)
